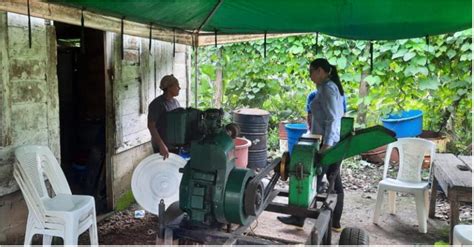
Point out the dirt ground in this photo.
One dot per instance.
(399, 229)
(360, 193)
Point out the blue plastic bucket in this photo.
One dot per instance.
(405, 123)
(294, 131)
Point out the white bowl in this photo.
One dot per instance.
(155, 179)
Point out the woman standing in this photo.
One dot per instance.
(327, 111)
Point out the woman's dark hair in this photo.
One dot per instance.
(330, 69)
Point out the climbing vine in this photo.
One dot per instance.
(431, 74)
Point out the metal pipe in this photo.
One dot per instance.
(211, 14)
(161, 219)
(29, 23)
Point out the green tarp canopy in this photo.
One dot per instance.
(353, 19)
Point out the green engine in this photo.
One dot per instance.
(213, 191)
(212, 188)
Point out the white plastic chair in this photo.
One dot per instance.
(411, 155)
(63, 215)
(462, 235)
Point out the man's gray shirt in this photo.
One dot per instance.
(156, 112)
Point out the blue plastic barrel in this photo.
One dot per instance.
(294, 131)
(405, 123)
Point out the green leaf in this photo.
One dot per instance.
(451, 53)
(399, 53)
(385, 47)
(466, 46)
(459, 84)
(402, 41)
(420, 61)
(413, 70)
(208, 70)
(408, 56)
(296, 50)
(372, 80)
(341, 63)
(461, 92)
(367, 100)
(465, 57)
(429, 83)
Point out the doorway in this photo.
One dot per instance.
(81, 86)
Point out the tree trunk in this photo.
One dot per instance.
(447, 115)
(217, 101)
(363, 92)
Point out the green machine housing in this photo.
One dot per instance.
(306, 162)
(302, 172)
(212, 188)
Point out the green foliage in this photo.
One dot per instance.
(273, 141)
(352, 163)
(441, 243)
(125, 201)
(407, 74)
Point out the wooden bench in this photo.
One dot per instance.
(454, 176)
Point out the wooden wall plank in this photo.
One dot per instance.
(5, 102)
(147, 64)
(133, 123)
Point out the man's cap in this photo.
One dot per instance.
(168, 81)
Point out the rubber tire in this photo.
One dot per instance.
(353, 236)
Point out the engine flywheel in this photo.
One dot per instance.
(234, 195)
(284, 163)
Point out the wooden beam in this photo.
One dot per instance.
(209, 39)
(72, 16)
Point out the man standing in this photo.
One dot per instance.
(157, 115)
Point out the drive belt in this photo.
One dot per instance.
(256, 195)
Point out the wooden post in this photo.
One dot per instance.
(52, 115)
(109, 115)
(454, 212)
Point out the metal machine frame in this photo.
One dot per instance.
(320, 233)
(320, 210)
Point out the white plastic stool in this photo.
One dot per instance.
(462, 235)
